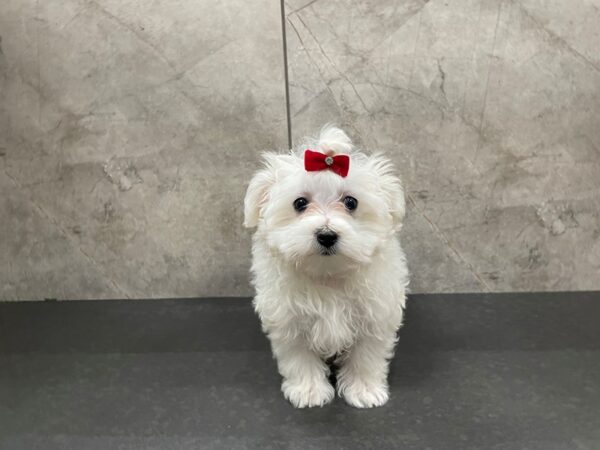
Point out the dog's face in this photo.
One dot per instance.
(320, 221)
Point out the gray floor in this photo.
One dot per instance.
(501, 371)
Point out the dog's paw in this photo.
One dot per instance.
(308, 393)
(361, 394)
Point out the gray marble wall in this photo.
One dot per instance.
(491, 110)
(129, 130)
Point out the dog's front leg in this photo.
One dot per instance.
(362, 379)
(304, 373)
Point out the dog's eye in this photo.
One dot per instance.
(350, 203)
(300, 204)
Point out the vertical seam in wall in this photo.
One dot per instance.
(286, 78)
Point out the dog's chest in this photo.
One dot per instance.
(334, 328)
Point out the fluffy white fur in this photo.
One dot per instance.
(314, 306)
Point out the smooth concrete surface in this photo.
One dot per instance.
(129, 131)
(477, 371)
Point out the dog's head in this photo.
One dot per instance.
(320, 221)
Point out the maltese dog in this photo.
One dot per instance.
(329, 273)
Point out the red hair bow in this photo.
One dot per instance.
(316, 161)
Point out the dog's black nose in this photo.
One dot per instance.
(327, 238)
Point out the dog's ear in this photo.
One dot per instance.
(258, 194)
(391, 187)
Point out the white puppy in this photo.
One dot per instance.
(329, 272)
